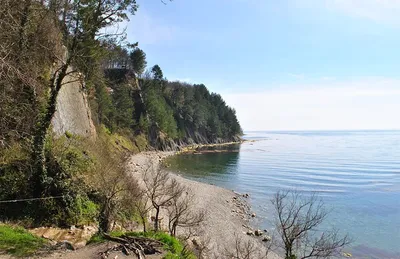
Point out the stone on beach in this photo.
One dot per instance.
(266, 239)
(258, 232)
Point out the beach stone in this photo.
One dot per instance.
(266, 239)
(258, 232)
(266, 230)
(253, 215)
(250, 233)
(68, 245)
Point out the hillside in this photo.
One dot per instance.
(75, 103)
(170, 114)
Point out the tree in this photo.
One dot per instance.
(298, 220)
(161, 190)
(124, 106)
(242, 250)
(115, 188)
(83, 23)
(181, 212)
(138, 61)
(157, 73)
(142, 207)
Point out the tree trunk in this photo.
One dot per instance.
(144, 223)
(174, 225)
(40, 178)
(156, 223)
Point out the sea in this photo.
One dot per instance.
(356, 174)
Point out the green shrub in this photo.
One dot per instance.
(19, 242)
(84, 211)
(96, 238)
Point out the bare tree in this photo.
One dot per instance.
(142, 207)
(298, 220)
(181, 212)
(160, 189)
(116, 189)
(243, 249)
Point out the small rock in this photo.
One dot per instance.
(52, 242)
(235, 198)
(266, 239)
(250, 233)
(196, 242)
(72, 227)
(253, 215)
(258, 232)
(68, 245)
(265, 230)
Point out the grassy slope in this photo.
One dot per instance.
(18, 242)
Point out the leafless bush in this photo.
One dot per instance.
(298, 221)
(115, 187)
(181, 212)
(142, 208)
(243, 250)
(161, 190)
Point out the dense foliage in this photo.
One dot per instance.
(180, 111)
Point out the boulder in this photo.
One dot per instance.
(250, 233)
(266, 239)
(258, 232)
(68, 245)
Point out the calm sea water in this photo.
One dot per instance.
(356, 172)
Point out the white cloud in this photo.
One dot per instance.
(383, 11)
(148, 30)
(371, 103)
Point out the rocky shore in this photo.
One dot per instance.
(228, 219)
(228, 212)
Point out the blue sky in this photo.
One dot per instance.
(283, 65)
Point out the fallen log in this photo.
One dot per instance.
(140, 246)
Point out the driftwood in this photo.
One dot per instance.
(140, 246)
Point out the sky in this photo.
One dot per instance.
(282, 65)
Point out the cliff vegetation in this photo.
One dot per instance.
(53, 179)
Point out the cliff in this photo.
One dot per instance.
(73, 113)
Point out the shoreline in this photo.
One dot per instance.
(203, 148)
(228, 212)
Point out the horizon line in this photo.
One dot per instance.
(298, 130)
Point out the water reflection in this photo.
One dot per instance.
(208, 164)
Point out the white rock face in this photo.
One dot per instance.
(73, 111)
